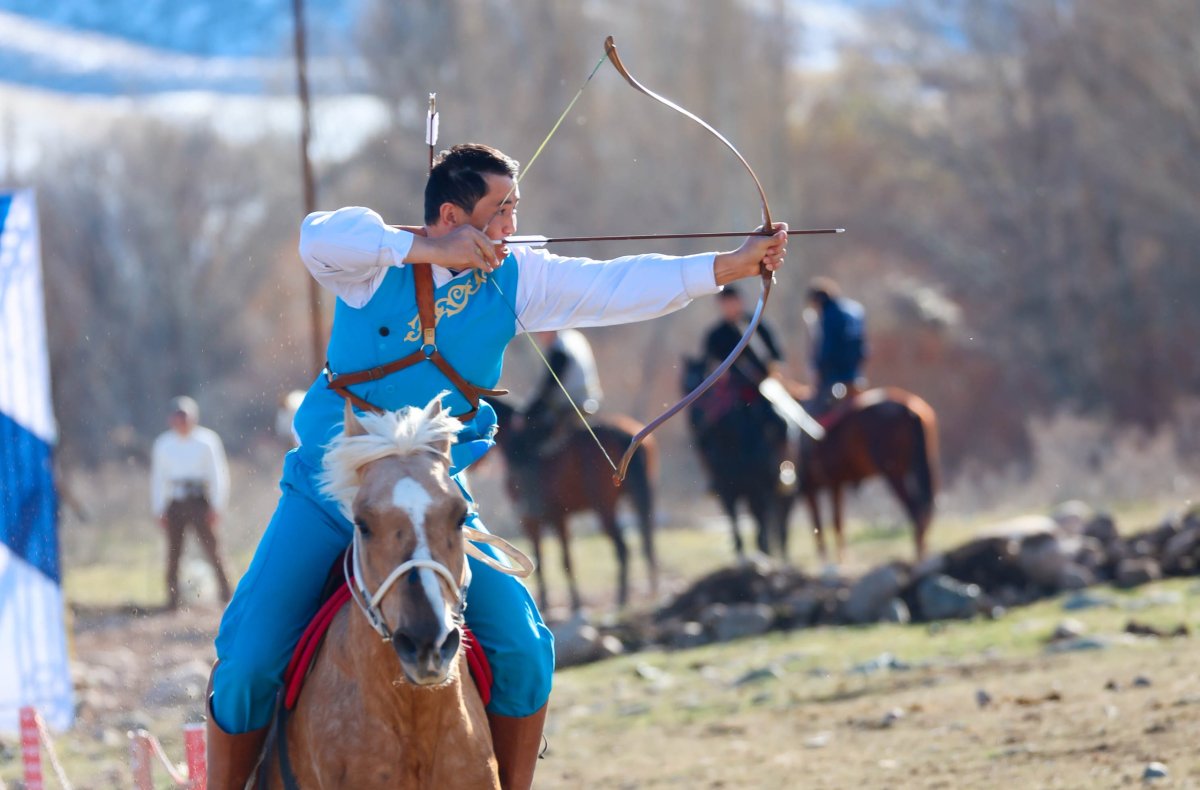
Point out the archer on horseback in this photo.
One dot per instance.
(481, 294)
(740, 437)
(885, 431)
(759, 360)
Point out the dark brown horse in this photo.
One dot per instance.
(741, 445)
(885, 432)
(549, 478)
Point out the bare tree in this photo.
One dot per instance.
(154, 246)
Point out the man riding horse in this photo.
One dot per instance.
(738, 389)
(384, 354)
(740, 438)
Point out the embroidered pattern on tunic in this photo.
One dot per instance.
(452, 303)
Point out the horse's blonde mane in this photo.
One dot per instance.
(403, 432)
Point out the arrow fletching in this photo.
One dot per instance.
(431, 122)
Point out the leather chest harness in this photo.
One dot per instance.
(427, 316)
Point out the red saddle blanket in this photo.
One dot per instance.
(310, 640)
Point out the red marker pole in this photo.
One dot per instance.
(193, 744)
(31, 751)
(140, 756)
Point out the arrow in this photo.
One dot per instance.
(540, 241)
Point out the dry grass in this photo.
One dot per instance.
(681, 719)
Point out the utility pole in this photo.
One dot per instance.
(310, 186)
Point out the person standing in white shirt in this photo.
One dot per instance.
(189, 488)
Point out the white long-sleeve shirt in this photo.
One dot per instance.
(350, 250)
(178, 459)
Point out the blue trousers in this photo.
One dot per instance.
(280, 593)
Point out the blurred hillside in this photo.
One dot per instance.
(233, 28)
(1019, 182)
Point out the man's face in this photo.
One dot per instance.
(731, 309)
(180, 422)
(496, 212)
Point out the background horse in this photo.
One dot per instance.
(397, 711)
(549, 479)
(742, 446)
(887, 432)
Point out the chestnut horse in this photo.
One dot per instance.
(396, 711)
(571, 476)
(886, 432)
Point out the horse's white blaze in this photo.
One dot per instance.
(412, 498)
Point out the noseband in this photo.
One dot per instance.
(369, 602)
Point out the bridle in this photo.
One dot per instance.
(369, 602)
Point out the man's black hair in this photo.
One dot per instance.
(458, 177)
(729, 292)
(823, 289)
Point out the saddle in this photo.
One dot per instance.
(337, 595)
(855, 399)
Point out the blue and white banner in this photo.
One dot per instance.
(33, 639)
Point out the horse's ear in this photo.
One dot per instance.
(442, 447)
(352, 426)
(432, 412)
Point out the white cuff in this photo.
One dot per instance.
(699, 275)
(396, 243)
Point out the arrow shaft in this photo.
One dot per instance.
(649, 236)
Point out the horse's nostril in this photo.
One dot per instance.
(405, 647)
(450, 646)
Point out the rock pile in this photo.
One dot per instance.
(1012, 564)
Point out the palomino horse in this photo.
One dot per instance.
(548, 485)
(887, 432)
(387, 702)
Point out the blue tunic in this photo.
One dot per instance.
(474, 325)
(279, 592)
(842, 344)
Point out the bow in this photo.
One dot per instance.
(611, 54)
(610, 49)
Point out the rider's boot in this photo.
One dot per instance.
(231, 758)
(517, 742)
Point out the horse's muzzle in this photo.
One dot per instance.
(427, 661)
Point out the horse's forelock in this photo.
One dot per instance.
(404, 432)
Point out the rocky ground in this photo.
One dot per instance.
(1024, 675)
(1010, 565)
(1050, 696)
(783, 717)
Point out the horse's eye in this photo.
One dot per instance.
(363, 529)
(462, 520)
